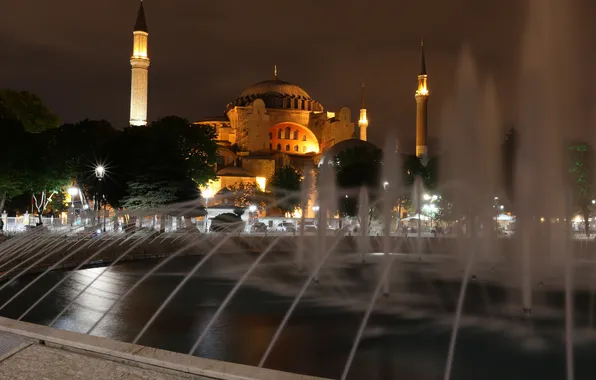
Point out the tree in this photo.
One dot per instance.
(146, 194)
(248, 194)
(12, 164)
(20, 112)
(356, 168)
(580, 176)
(160, 164)
(285, 188)
(197, 144)
(46, 173)
(27, 109)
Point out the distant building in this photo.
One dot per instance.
(272, 123)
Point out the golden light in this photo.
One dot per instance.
(262, 183)
(330, 115)
(140, 45)
(207, 193)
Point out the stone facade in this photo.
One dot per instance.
(273, 124)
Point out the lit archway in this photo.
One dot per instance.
(299, 136)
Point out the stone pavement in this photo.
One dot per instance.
(35, 352)
(34, 361)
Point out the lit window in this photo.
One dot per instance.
(295, 135)
(304, 149)
(296, 148)
(288, 132)
(288, 148)
(304, 138)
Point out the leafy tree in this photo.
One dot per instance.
(248, 194)
(285, 188)
(356, 168)
(12, 164)
(195, 143)
(28, 109)
(46, 174)
(146, 194)
(580, 176)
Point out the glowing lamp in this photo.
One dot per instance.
(100, 171)
(208, 193)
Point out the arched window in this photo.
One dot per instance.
(288, 148)
(296, 148)
(295, 135)
(304, 137)
(270, 135)
(278, 146)
(303, 148)
(288, 132)
(279, 132)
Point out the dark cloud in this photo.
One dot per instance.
(74, 53)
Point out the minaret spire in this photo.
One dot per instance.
(363, 121)
(362, 97)
(141, 24)
(422, 95)
(422, 59)
(274, 72)
(139, 61)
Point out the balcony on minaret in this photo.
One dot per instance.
(422, 88)
(140, 45)
(363, 121)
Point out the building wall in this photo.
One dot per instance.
(292, 138)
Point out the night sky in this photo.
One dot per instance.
(74, 53)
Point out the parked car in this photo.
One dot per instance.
(310, 226)
(286, 227)
(258, 227)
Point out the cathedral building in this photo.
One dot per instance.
(272, 123)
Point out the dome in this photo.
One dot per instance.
(277, 94)
(275, 86)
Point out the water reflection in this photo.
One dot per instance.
(407, 336)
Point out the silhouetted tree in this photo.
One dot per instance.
(581, 179)
(356, 168)
(285, 188)
(27, 109)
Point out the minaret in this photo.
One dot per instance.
(140, 71)
(363, 121)
(421, 103)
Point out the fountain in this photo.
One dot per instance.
(451, 304)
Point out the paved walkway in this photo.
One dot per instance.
(26, 359)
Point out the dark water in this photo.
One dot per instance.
(318, 337)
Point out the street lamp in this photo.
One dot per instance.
(208, 193)
(100, 171)
(72, 191)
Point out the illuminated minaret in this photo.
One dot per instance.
(363, 121)
(421, 105)
(140, 71)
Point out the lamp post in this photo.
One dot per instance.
(72, 191)
(100, 171)
(208, 193)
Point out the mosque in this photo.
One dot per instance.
(272, 123)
